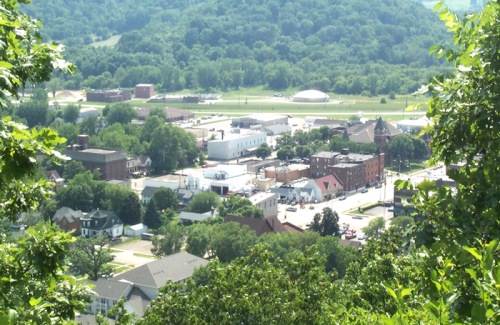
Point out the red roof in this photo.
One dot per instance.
(291, 227)
(327, 182)
(260, 226)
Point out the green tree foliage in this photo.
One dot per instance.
(124, 202)
(33, 265)
(35, 110)
(263, 151)
(200, 276)
(234, 203)
(375, 227)
(303, 151)
(326, 223)
(402, 222)
(353, 120)
(70, 113)
(402, 146)
(73, 168)
(286, 152)
(250, 211)
(257, 277)
(90, 257)
(165, 198)
(169, 240)
(199, 239)
(5, 231)
(122, 113)
(48, 209)
(203, 202)
(152, 216)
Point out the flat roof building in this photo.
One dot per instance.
(267, 202)
(112, 163)
(172, 114)
(265, 120)
(108, 96)
(234, 146)
(144, 91)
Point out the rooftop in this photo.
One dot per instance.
(261, 196)
(169, 178)
(264, 117)
(325, 154)
(144, 85)
(98, 151)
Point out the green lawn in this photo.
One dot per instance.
(109, 42)
(143, 255)
(211, 122)
(405, 168)
(121, 269)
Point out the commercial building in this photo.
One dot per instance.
(220, 179)
(310, 96)
(267, 202)
(112, 163)
(235, 145)
(288, 173)
(144, 91)
(172, 114)
(108, 96)
(254, 166)
(265, 120)
(353, 170)
(175, 99)
(278, 129)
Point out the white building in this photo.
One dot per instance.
(409, 125)
(136, 230)
(101, 223)
(220, 179)
(86, 112)
(173, 182)
(267, 202)
(235, 145)
(310, 96)
(265, 120)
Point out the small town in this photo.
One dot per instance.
(249, 162)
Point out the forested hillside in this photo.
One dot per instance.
(348, 47)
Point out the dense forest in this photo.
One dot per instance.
(349, 47)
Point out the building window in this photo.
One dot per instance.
(96, 222)
(103, 300)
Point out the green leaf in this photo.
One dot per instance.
(387, 320)
(473, 251)
(34, 301)
(438, 6)
(391, 292)
(12, 316)
(406, 292)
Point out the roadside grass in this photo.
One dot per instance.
(211, 122)
(144, 255)
(121, 269)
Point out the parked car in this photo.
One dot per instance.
(342, 198)
(255, 190)
(290, 116)
(365, 190)
(277, 95)
(294, 202)
(357, 216)
(213, 114)
(80, 100)
(378, 186)
(294, 124)
(204, 118)
(220, 115)
(211, 129)
(292, 209)
(413, 118)
(350, 234)
(116, 240)
(362, 237)
(209, 117)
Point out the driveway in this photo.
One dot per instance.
(141, 247)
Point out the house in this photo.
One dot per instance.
(290, 227)
(101, 223)
(326, 187)
(147, 194)
(53, 176)
(185, 196)
(68, 219)
(138, 163)
(141, 285)
(259, 225)
(136, 230)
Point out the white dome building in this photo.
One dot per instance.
(310, 96)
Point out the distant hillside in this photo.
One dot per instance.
(346, 46)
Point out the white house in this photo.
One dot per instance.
(101, 223)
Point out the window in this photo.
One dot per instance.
(103, 300)
(65, 222)
(96, 222)
(115, 302)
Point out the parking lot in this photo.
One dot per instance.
(140, 246)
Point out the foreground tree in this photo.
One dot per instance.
(326, 223)
(263, 151)
(89, 256)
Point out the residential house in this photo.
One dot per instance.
(68, 219)
(101, 223)
(147, 194)
(138, 163)
(326, 187)
(53, 176)
(185, 196)
(141, 285)
(259, 225)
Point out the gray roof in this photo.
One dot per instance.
(138, 300)
(149, 191)
(325, 154)
(105, 220)
(186, 194)
(282, 191)
(155, 274)
(193, 216)
(69, 213)
(329, 122)
(109, 288)
(363, 137)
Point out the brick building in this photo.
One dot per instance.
(172, 114)
(354, 170)
(108, 96)
(68, 219)
(112, 163)
(144, 91)
(289, 173)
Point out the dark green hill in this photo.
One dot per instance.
(346, 46)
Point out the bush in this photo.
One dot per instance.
(383, 101)
(392, 95)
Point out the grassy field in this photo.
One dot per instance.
(109, 42)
